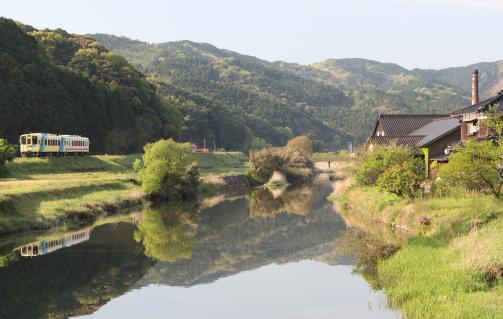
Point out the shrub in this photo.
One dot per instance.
(301, 142)
(165, 235)
(391, 168)
(168, 170)
(400, 179)
(7, 153)
(294, 162)
(474, 166)
(381, 159)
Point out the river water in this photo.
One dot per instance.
(282, 254)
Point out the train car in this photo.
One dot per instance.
(44, 144)
(43, 247)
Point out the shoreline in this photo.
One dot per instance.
(42, 194)
(449, 262)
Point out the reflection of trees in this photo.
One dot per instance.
(167, 232)
(269, 203)
(73, 281)
(228, 240)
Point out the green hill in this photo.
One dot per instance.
(335, 101)
(51, 81)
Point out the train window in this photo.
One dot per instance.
(23, 140)
(59, 143)
(28, 141)
(35, 140)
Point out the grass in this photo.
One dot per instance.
(452, 265)
(222, 163)
(63, 192)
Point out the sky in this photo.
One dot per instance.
(413, 33)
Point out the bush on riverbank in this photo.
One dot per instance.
(295, 163)
(168, 170)
(7, 153)
(392, 169)
(453, 265)
(474, 166)
(301, 142)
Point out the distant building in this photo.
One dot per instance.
(472, 117)
(195, 149)
(434, 136)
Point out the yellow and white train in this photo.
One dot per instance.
(44, 144)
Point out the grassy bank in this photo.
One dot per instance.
(451, 263)
(40, 193)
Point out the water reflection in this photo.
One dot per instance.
(265, 202)
(47, 246)
(210, 249)
(167, 232)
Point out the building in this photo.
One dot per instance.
(472, 117)
(434, 136)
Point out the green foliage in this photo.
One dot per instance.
(258, 143)
(7, 153)
(401, 179)
(165, 236)
(51, 81)
(168, 170)
(494, 123)
(276, 101)
(391, 168)
(475, 166)
(301, 142)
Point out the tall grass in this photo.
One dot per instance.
(453, 265)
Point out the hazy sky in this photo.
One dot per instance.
(413, 33)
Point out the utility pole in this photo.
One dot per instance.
(204, 143)
(214, 146)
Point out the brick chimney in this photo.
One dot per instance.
(475, 87)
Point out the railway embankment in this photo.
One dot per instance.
(43, 193)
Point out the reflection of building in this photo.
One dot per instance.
(43, 247)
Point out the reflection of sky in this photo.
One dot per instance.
(305, 289)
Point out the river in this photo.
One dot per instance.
(282, 254)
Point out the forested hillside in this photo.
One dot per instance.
(51, 81)
(336, 101)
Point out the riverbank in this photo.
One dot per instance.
(450, 261)
(39, 193)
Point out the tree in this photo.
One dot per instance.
(258, 143)
(494, 123)
(475, 166)
(7, 153)
(294, 162)
(165, 235)
(400, 179)
(381, 159)
(301, 142)
(168, 170)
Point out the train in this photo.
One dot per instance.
(45, 144)
(43, 247)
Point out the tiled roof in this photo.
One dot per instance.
(483, 106)
(435, 130)
(405, 124)
(405, 141)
